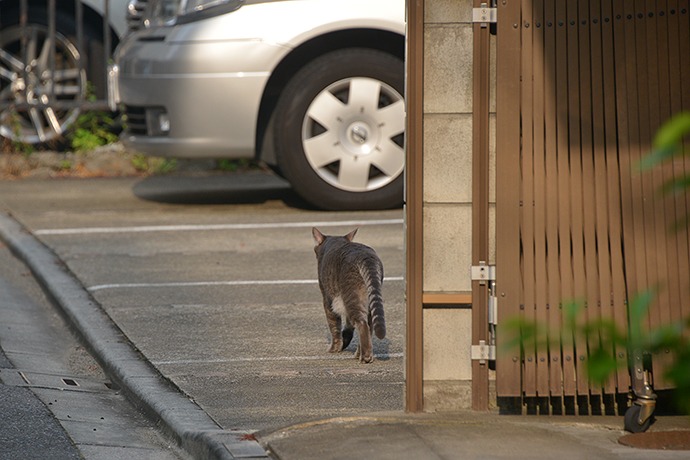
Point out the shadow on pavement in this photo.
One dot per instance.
(233, 188)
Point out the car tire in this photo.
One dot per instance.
(46, 126)
(339, 130)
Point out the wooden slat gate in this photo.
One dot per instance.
(582, 87)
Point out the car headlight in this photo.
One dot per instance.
(171, 12)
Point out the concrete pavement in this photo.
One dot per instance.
(466, 435)
(378, 436)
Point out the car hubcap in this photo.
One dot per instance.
(352, 134)
(28, 83)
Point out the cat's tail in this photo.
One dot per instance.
(373, 279)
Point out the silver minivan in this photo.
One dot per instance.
(313, 88)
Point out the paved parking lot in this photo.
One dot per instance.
(214, 281)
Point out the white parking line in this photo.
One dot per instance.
(269, 359)
(186, 228)
(100, 287)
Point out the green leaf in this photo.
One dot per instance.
(657, 156)
(669, 336)
(676, 185)
(600, 365)
(672, 132)
(572, 310)
(668, 141)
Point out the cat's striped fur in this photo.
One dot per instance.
(350, 278)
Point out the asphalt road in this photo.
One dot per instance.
(214, 280)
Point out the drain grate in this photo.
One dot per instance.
(22, 378)
(661, 440)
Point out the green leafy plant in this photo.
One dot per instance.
(668, 144)
(142, 163)
(166, 165)
(65, 165)
(93, 128)
(14, 146)
(229, 165)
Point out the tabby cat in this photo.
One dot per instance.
(350, 278)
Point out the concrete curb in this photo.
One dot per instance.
(178, 416)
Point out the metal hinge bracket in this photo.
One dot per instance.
(483, 352)
(493, 310)
(483, 272)
(484, 15)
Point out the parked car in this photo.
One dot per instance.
(313, 88)
(38, 105)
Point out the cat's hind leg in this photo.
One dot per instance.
(364, 351)
(334, 325)
(348, 332)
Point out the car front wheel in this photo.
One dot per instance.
(339, 131)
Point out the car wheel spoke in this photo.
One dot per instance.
(37, 123)
(354, 172)
(389, 158)
(42, 63)
(392, 119)
(31, 46)
(324, 110)
(53, 120)
(322, 150)
(364, 95)
(71, 78)
(15, 64)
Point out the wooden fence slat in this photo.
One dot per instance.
(684, 51)
(623, 128)
(541, 279)
(577, 211)
(613, 183)
(566, 269)
(635, 244)
(508, 375)
(667, 245)
(601, 250)
(551, 196)
(589, 202)
(656, 237)
(528, 305)
(661, 26)
(645, 241)
(594, 211)
(675, 105)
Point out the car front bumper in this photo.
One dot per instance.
(195, 99)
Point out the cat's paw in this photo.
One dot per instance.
(336, 347)
(363, 357)
(366, 359)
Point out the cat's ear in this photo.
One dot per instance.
(350, 236)
(318, 236)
